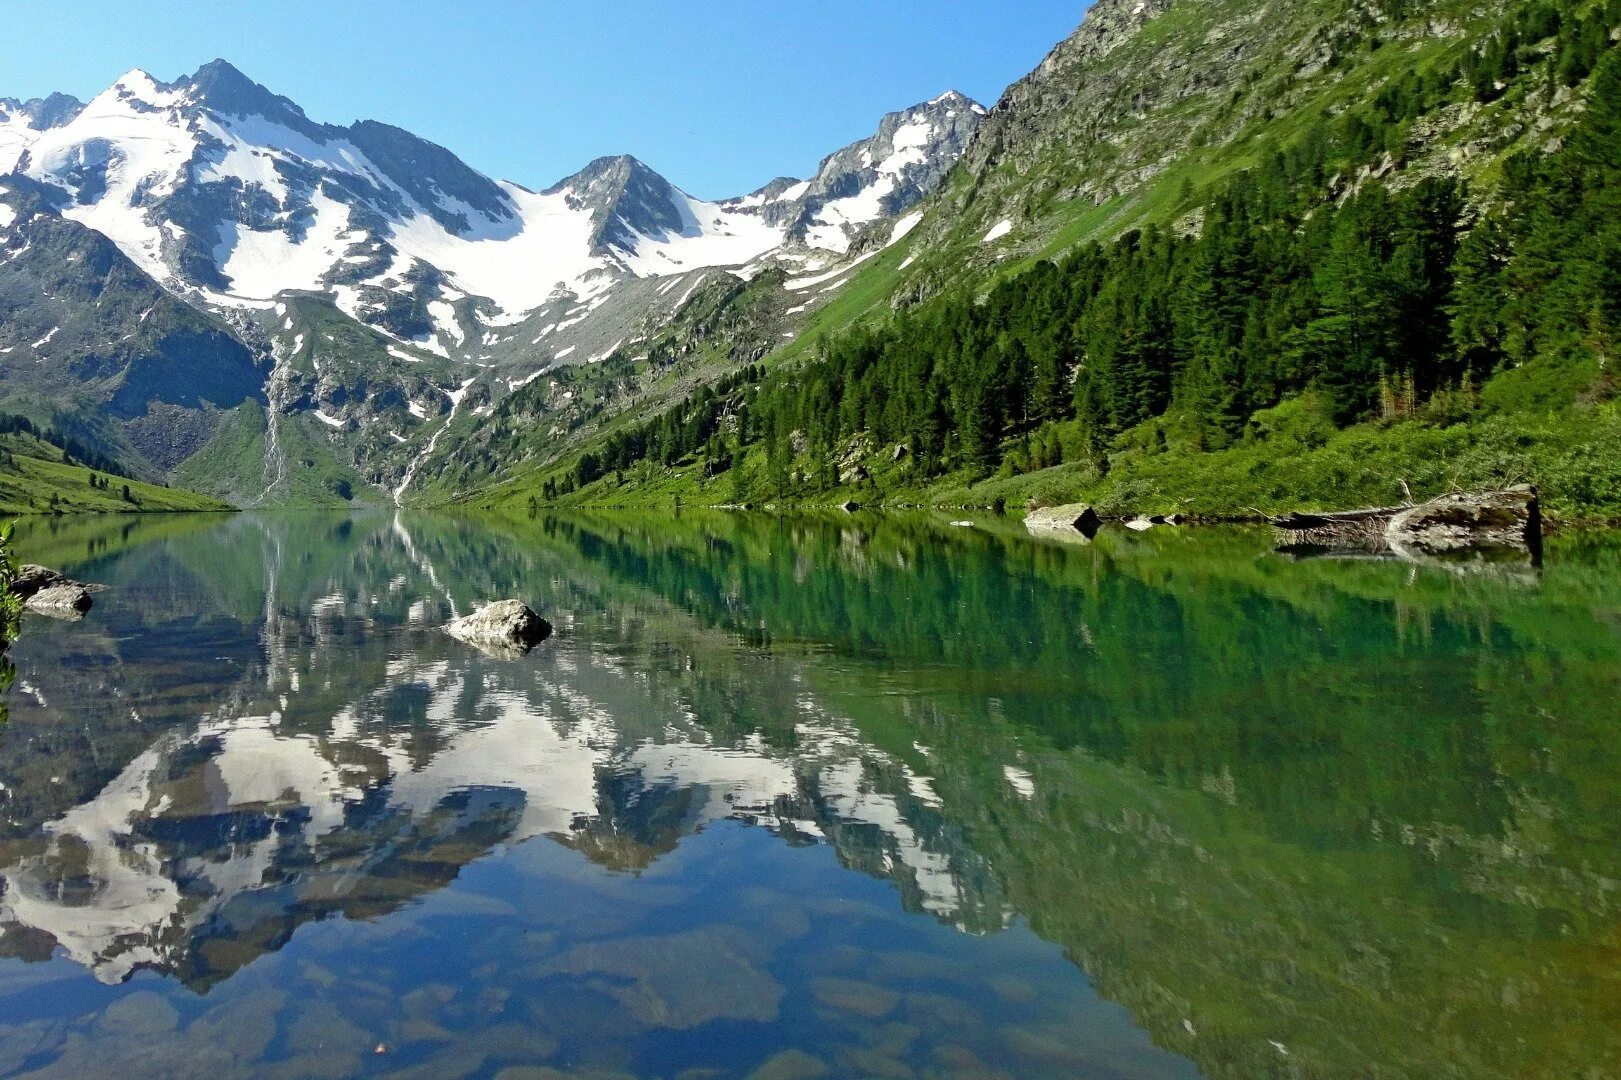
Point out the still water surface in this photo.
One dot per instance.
(798, 799)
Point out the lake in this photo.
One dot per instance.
(783, 799)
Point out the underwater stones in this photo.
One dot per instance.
(455, 1063)
(872, 1063)
(141, 1015)
(517, 1043)
(507, 627)
(790, 1065)
(19, 1042)
(851, 996)
(244, 1028)
(679, 981)
(332, 1046)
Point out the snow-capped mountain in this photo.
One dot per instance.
(877, 178)
(230, 194)
(365, 286)
(22, 121)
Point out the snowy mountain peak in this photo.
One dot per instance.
(229, 193)
(41, 114)
(22, 121)
(879, 177)
(957, 99)
(626, 200)
(221, 88)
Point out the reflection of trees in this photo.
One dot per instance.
(10, 616)
(1363, 816)
(1304, 819)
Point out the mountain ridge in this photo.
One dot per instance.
(461, 287)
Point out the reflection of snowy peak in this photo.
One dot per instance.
(297, 800)
(224, 190)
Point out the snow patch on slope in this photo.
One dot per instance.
(264, 263)
(710, 235)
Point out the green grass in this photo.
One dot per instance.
(234, 465)
(36, 478)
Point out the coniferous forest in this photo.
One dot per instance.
(1321, 291)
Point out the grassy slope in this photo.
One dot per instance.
(32, 471)
(234, 465)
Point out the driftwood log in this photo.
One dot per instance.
(1508, 521)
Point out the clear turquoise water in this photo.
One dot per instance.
(806, 798)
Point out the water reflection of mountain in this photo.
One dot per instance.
(350, 758)
(1303, 819)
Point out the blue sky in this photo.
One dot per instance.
(719, 95)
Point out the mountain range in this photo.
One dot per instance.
(193, 264)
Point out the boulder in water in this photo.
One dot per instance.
(1072, 519)
(66, 600)
(508, 627)
(32, 579)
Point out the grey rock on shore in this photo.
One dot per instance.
(1509, 520)
(43, 591)
(1072, 520)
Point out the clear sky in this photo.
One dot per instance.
(719, 95)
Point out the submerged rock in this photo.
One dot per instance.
(507, 627)
(679, 981)
(1072, 519)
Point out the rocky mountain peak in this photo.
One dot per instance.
(624, 197)
(885, 174)
(223, 89)
(41, 114)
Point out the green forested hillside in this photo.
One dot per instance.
(1334, 319)
(43, 473)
